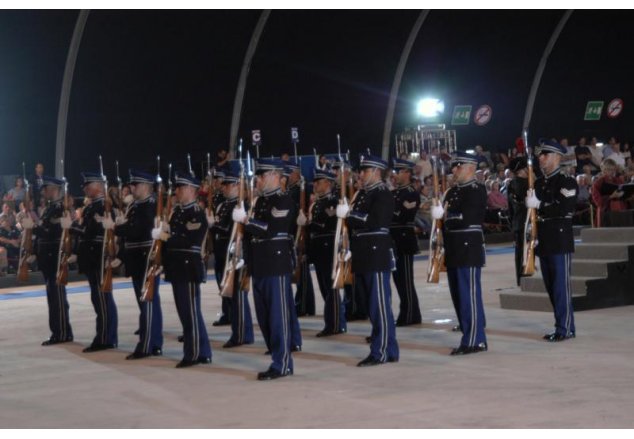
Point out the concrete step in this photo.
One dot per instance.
(608, 250)
(608, 234)
(591, 267)
(535, 284)
(529, 301)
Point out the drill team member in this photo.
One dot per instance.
(373, 256)
(48, 234)
(90, 260)
(184, 267)
(321, 227)
(136, 227)
(517, 209)
(270, 264)
(555, 198)
(464, 250)
(221, 225)
(219, 261)
(406, 203)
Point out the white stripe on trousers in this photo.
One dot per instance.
(474, 312)
(285, 341)
(383, 316)
(194, 319)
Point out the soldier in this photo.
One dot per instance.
(221, 225)
(267, 229)
(135, 226)
(516, 194)
(184, 267)
(406, 203)
(305, 295)
(555, 198)
(321, 226)
(373, 256)
(48, 234)
(356, 308)
(90, 258)
(464, 250)
(219, 262)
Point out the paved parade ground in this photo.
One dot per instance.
(521, 381)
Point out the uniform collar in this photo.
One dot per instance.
(231, 198)
(324, 196)
(272, 192)
(188, 205)
(467, 183)
(405, 186)
(145, 200)
(555, 172)
(97, 199)
(373, 186)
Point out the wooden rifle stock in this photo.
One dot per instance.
(342, 268)
(109, 252)
(436, 247)
(530, 229)
(300, 236)
(65, 245)
(154, 257)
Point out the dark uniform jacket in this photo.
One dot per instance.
(462, 229)
(90, 232)
(321, 229)
(270, 246)
(558, 195)
(294, 192)
(516, 194)
(48, 235)
(369, 221)
(183, 260)
(221, 230)
(406, 203)
(137, 232)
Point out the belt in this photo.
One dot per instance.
(131, 245)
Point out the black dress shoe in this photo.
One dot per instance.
(231, 344)
(555, 337)
(296, 348)
(186, 363)
(369, 361)
(99, 347)
(204, 360)
(55, 340)
(368, 339)
(137, 332)
(157, 352)
(272, 374)
(181, 338)
(221, 322)
(267, 352)
(324, 333)
(464, 350)
(137, 355)
(456, 328)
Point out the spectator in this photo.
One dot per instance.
(36, 182)
(584, 157)
(607, 202)
(483, 157)
(496, 199)
(10, 241)
(617, 155)
(9, 213)
(222, 159)
(597, 154)
(583, 196)
(17, 193)
(423, 216)
(423, 165)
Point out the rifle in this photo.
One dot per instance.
(342, 266)
(530, 226)
(234, 248)
(26, 244)
(300, 235)
(66, 242)
(209, 242)
(154, 257)
(245, 279)
(109, 252)
(436, 248)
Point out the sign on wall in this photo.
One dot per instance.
(615, 107)
(483, 115)
(461, 115)
(593, 110)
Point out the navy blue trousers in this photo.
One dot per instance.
(106, 309)
(556, 273)
(241, 321)
(466, 294)
(355, 302)
(195, 339)
(305, 295)
(150, 317)
(271, 296)
(219, 270)
(409, 308)
(58, 315)
(334, 308)
(383, 345)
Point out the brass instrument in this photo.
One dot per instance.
(26, 244)
(154, 257)
(530, 226)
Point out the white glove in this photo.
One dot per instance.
(532, 202)
(27, 223)
(72, 259)
(161, 232)
(65, 222)
(437, 212)
(107, 223)
(115, 262)
(31, 259)
(239, 264)
(342, 210)
(128, 199)
(239, 215)
(120, 220)
(211, 219)
(301, 219)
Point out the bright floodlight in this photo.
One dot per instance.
(430, 107)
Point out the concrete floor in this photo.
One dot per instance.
(521, 382)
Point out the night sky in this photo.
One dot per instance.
(150, 82)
